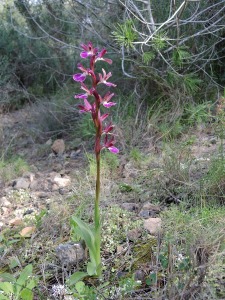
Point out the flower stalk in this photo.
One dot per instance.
(93, 238)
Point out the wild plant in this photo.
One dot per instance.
(20, 288)
(104, 139)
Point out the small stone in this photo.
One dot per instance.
(49, 142)
(28, 212)
(16, 222)
(70, 253)
(144, 214)
(27, 231)
(5, 202)
(55, 187)
(41, 195)
(149, 210)
(119, 249)
(152, 207)
(63, 191)
(58, 146)
(153, 225)
(121, 274)
(62, 181)
(139, 275)
(213, 141)
(133, 235)
(21, 183)
(132, 207)
(5, 210)
(34, 185)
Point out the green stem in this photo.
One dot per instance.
(97, 222)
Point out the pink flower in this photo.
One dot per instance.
(108, 128)
(85, 95)
(110, 145)
(81, 96)
(89, 50)
(100, 57)
(94, 107)
(87, 107)
(105, 100)
(80, 77)
(103, 117)
(103, 78)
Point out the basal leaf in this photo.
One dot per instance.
(2, 297)
(7, 277)
(91, 268)
(80, 286)
(26, 272)
(31, 284)
(86, 233)
(26, 294)
(6, 287)
(75, 277)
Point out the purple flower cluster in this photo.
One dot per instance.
(94, 107)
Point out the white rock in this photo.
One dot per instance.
(62, 181)
(153, 225)
(5, 202)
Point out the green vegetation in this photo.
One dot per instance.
(20, 288)
(13, 168)
(170, 129)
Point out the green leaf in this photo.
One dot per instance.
(152, 279)
(80, 286)
(26, 272)
(26, 294)
(87, 234)
(7, 277)
(31, 284)
(148, 56)
(14, 262)
(180, 55)
(159, 41)
(91, 268)
(6, 287)
(124, 34)
(2, 297)
(74, 278)
(191, 83)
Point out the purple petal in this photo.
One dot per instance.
(88, 106)
(109, 128)
(103, 117)
(108, 60)
(82, 109)
(85, 47)
(79, 77)
(108, 104)
(107, 97)
(81, 96)
(82, 68)
(109, 83)
(113, 149)
(102, 53)
(84, 54)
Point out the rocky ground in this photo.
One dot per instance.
(50, 172)
(53, 177)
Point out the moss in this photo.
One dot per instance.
(143, 253)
